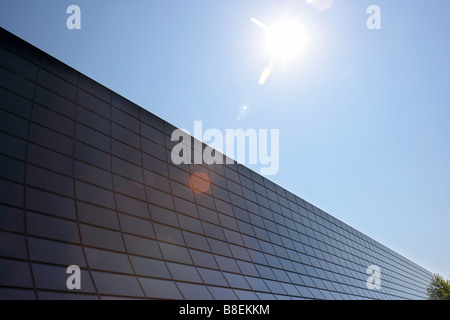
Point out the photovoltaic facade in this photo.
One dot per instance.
(87, 179)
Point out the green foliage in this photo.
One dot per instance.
(439, 289)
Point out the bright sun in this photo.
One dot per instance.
(285, 40)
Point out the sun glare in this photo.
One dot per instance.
(285, 40)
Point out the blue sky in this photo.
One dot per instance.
(363, 114)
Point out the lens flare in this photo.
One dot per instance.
(265, 74)
(199, 182)
(243, 112)
(259, 23)
(321, 5)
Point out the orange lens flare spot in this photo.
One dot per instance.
(199, 182)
